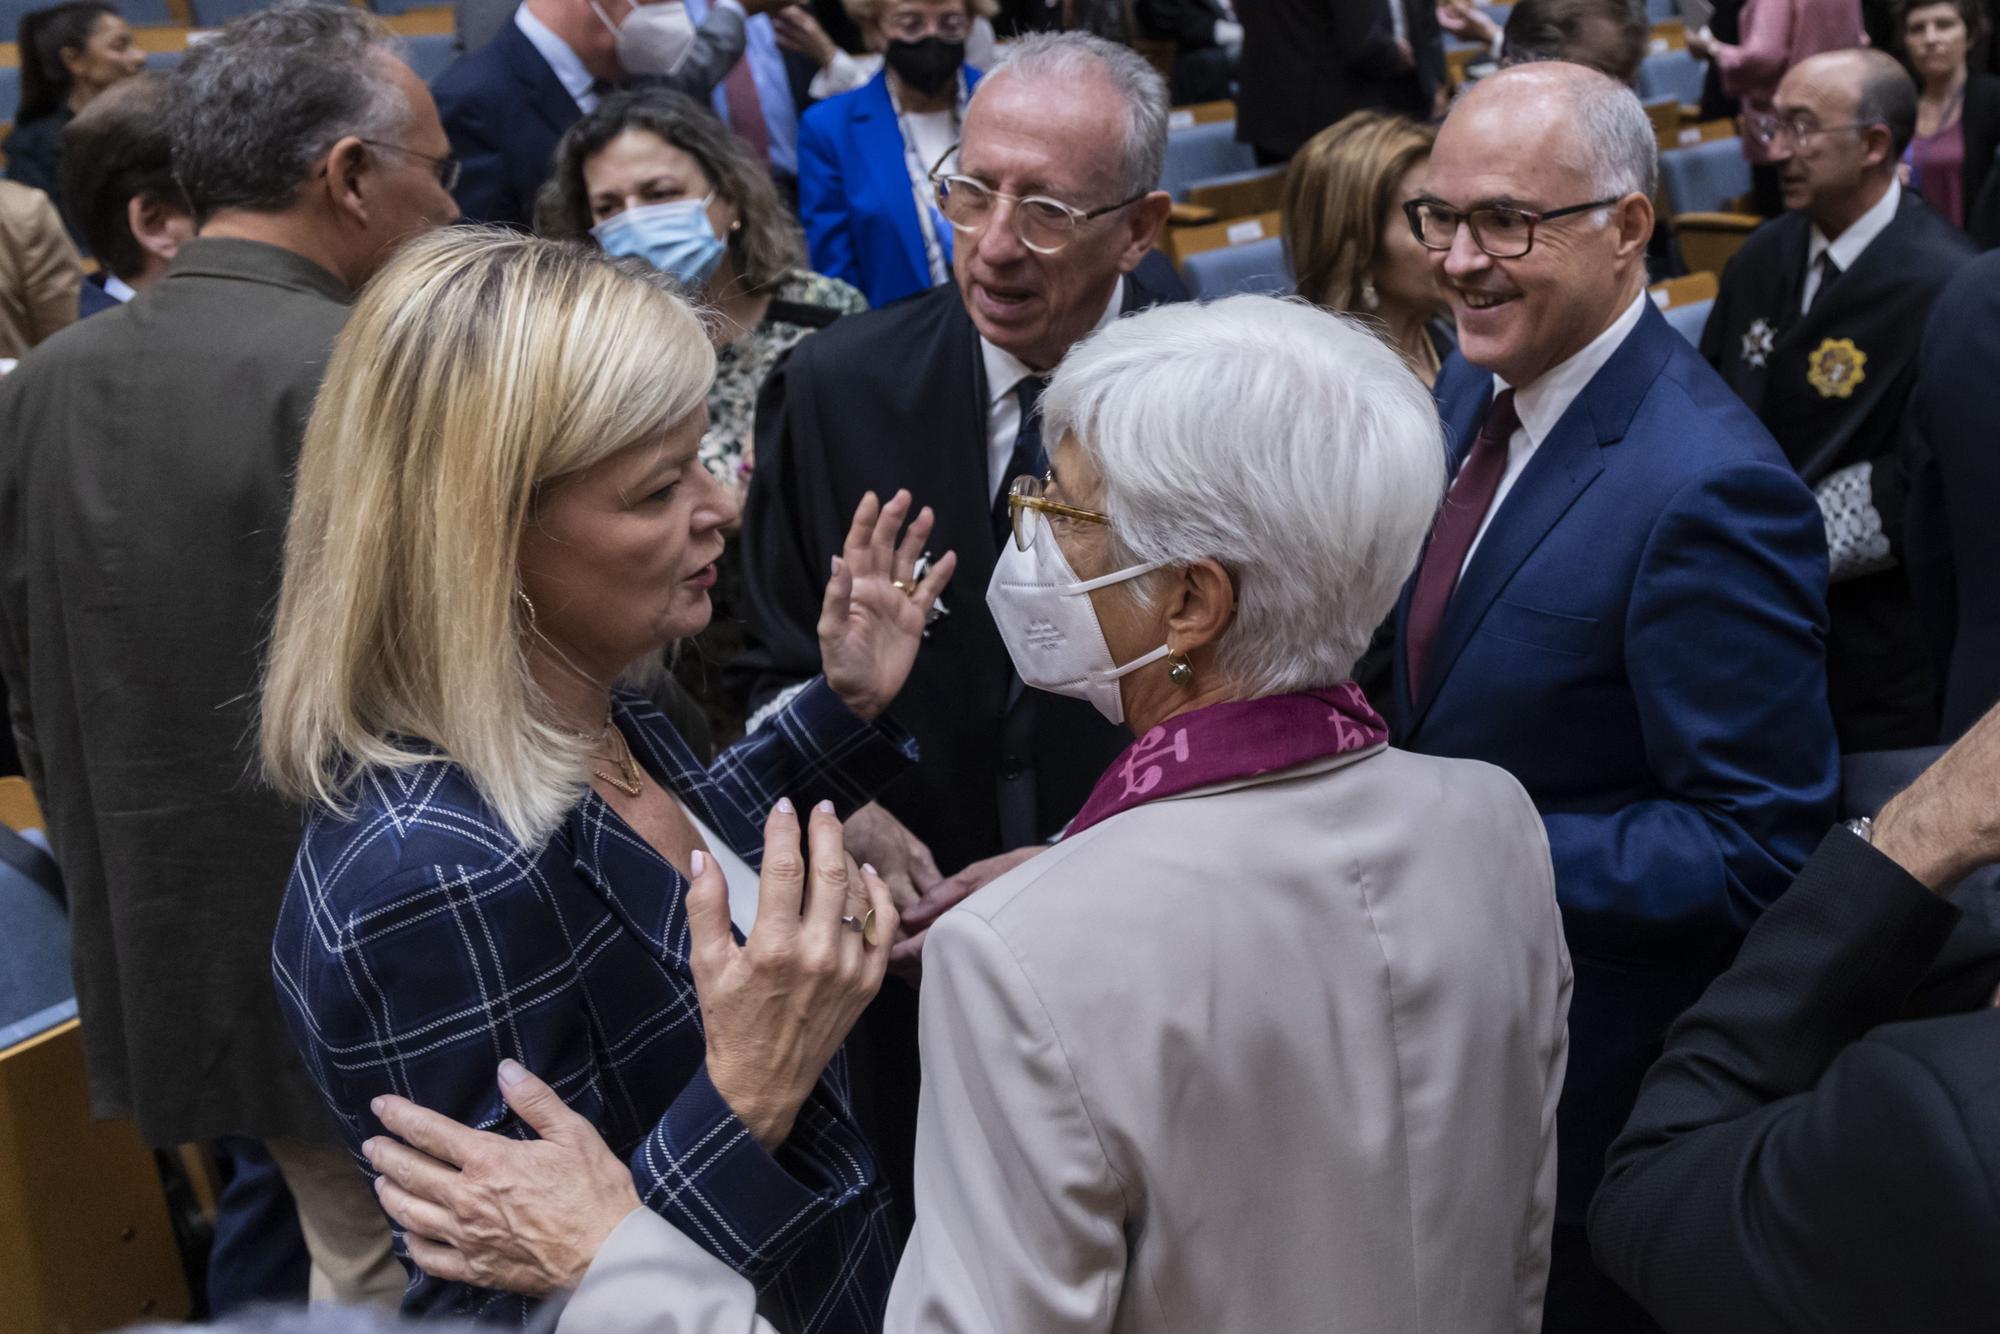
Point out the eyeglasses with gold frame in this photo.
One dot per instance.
(1027, 501)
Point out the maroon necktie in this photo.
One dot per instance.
(746, 109)
(1465, 506)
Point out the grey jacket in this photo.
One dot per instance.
(145, 465)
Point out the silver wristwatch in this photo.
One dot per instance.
(1863, 829)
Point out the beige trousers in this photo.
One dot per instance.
(346, 1231)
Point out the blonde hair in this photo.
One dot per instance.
(1337, 189)
(478, 366)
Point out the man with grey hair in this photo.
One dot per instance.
(143, 498)
(1056, 203)
(1623, 601)
(1817, 327)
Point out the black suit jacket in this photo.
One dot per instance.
(897, 398)
(504, 111)
(1308, 63)
(1954, 542)
(1819, 1148)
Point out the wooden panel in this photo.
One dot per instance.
(1668, 35)
(1695, 287)
(18, 810)
(1184, 241)
(1242, 199)
(1708, 131)
(89, 1244)
(1200, 113)
(1708, 241)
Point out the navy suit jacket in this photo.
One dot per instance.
(855, 199)
(1640, 640)
(504, 111)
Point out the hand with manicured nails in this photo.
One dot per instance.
(479, 1208)
(869, 629)
(777, 1007)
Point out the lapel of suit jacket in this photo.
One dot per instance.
(880, 138)
(543, 90)
(1562, 468)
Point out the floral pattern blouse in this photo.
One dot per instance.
(728, 450)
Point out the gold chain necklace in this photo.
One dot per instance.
(630, 778)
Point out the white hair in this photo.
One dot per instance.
(1065, 57)
(1611, 142)
(1285, 442)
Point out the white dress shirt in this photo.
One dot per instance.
(117, 288)
(1542, 404)
(1847, 247)
(577, 81)
(1005, 371)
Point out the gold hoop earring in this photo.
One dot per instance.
(1179, 670)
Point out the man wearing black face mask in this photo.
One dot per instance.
(865, 157)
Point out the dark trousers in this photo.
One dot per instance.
(259, 1254)
(1581, 1299)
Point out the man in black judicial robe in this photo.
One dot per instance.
(936, 394)
(1817, 327)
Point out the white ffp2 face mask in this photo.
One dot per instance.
(1045, 618)
(653, 39)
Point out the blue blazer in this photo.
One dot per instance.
(1640, 640)
(504, 111)
(419, 943)
(854, 193)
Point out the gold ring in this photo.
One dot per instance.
(907, 587)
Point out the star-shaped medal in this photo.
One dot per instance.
(1758, 342)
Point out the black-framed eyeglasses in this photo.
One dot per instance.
(1500, 231)
(1767, 127)
(1043, 225)
(446, 168)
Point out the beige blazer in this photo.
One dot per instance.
(1281, 1055)
(40, 274)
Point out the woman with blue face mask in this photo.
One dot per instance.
(655, 176)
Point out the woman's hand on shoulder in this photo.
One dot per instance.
(777, 1007)
(873, 618)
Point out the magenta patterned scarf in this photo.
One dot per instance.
(1234, 739)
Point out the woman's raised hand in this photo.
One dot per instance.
(875, 609)
(777, 1007)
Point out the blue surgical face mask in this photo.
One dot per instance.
(674, 238)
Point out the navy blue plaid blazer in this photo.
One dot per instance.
(419, 944)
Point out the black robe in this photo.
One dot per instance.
(1832, 386)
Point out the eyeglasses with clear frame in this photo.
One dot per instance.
(446, 168)
(1027, 501)
(912, 25)
(1042, 224)
(1500, 231)
(1768, 127)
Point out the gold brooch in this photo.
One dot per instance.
(1835, 367)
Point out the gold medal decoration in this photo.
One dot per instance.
(1835, 367)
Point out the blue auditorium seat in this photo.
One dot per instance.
(1690, 320)
(1256, 267)
(10, 94)
(1201, 152)
(431, 53)
(145, 13)
(162, 61)
(1704, 178)
(1673, 74)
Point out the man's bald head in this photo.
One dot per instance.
(1560, 160)
(1881, 90)
(1839, 124)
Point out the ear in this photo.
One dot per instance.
(1877, 147)
(1634, 219)
(1200, 604)
(1143, 224)
(345, 179)
(153, 224)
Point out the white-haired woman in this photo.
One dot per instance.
(508, 857)
(1272, 1039)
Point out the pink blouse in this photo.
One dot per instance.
(1778, 34)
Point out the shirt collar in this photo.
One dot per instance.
(117, 288)
(1542, 403)
(567, 64)
(1004, 370)
(1847, 247)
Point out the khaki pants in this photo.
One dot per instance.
(346, 1231)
